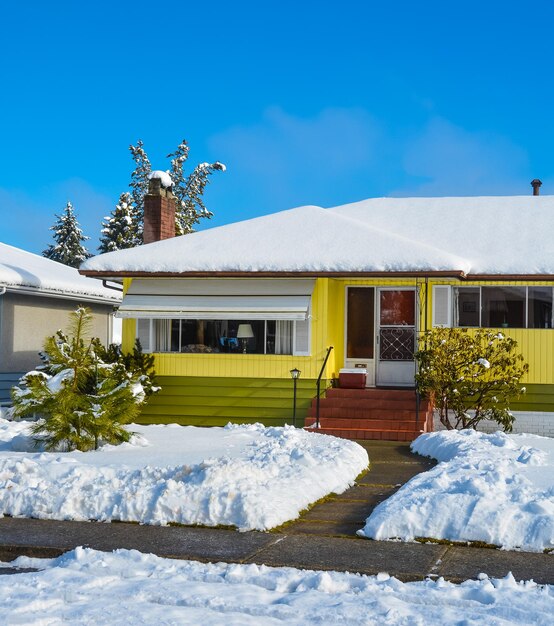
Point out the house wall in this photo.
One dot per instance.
(215, 388)
(535, 344)
(26, 320)
(248, 365)
(533, 410)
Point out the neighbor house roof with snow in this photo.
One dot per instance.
(23, 271)
(508, 236)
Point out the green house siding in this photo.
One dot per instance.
(206, 401)
(536, 398)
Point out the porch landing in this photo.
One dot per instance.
(377, 414)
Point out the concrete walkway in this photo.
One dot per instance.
(392, 464)
(323, 538)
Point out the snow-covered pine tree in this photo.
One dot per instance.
(68, 237)
(119, 229)
(84, 394)
(139, 184)
(189, 190)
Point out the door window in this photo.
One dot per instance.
(360, 327)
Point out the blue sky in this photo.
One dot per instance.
(306, 102)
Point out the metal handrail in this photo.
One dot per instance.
(318, 385)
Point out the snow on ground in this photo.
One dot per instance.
(246, 476)
(495, 488)
(126, 587)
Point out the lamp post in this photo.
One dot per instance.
(295, 374)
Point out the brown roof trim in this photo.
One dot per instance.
(105, 275)
(504, 277)
(227, 274)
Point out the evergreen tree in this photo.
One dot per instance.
(68, 237)
(139, 186)
(84, 393)
(188, 190)
(119, 229)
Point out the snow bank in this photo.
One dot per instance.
(249, 476)
(89, 587)
(495, 488)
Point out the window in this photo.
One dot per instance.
(539, 307)
(467, 306)
(503, 307)
(360, 327)
(225, 336)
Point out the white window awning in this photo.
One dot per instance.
(218, 299)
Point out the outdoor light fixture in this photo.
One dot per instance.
(295, 374)
(244, 333)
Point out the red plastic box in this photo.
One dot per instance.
(352, 378)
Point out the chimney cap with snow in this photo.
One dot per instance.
(159, 181)
(536, 183)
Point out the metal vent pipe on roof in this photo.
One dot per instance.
(536, 183)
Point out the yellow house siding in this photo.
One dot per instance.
(248, 365)
(536, 344)
(328, 328)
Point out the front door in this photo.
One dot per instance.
(396, 328)
(360, 330)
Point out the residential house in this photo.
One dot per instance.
(230, 311)
(36, 296)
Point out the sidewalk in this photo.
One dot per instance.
(323, 538)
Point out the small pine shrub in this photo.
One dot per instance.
(84, 394)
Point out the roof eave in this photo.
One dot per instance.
(62, 295)
(115, 276)
(458, 274)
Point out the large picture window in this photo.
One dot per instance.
(503, 307)
(224, 336)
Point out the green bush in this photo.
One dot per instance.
(470, 376)
(83, 394)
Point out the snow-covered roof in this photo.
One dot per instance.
(21, 270)
(479, 235)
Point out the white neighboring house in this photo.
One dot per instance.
(36, 296)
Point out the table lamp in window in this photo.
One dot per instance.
(244, 333)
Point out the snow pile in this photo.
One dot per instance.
(246, 476)
(126, 587)
(495, 488)
(21, 269)
(165, 178)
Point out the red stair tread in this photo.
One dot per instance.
(386, 414)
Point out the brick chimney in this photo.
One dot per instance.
(536, 184)
(159, 209)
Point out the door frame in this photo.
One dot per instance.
(412, 364)
(368, 363)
